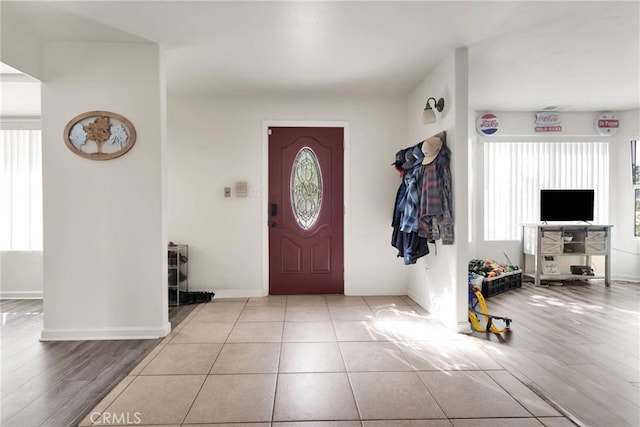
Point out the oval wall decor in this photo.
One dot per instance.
(487, 124)
(306, 188)
(99, 135)
(606, 124)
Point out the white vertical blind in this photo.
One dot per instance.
(515, 172)
(20, 190)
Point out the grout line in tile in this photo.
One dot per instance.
(137, 370)
(235, 323)
(174, 332)
(189, 317)
(195, 397)
(180, 375)
(509, 394)
(432, 396)
(346, 372)
(555, 405)
(275, 390)
(216, 359)
(186, 414)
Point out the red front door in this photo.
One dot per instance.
(306, 210)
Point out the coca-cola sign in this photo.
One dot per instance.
(606, 124)
(548, 121)
(548, 118)
(543, 129)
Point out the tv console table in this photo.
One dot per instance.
(542, 240)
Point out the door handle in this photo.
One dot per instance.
(272, 224)
(274, 209)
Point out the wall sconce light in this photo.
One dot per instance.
(428, 115)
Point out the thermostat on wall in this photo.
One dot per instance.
(241, 189)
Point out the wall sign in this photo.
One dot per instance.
(99, 135)
(606, 124)
(548, 121)
(487, 124)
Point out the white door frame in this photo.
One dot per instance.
(264, 216)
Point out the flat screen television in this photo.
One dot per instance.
(566, 205)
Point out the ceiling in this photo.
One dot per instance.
(523, 55)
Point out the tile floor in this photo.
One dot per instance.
(323, 361)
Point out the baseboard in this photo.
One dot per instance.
(256, 293)
(369, 292)
(21, 294)
(626, 278)
(459, 327)
(104, 334)
(418, 300)
(233, 293)
(463, 327)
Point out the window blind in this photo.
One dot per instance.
(20, 190)
(515, 172)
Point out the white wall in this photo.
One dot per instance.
(20, 274)
(20, 98)
(576, 126)
(19, 48)
(438, 281)
(105, 269)
(214, 142)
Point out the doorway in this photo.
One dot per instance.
(306, 210)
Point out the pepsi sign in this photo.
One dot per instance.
(487, 124)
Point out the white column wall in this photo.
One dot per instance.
(438, 281)
(105, 269)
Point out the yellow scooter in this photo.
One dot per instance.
(478, 306)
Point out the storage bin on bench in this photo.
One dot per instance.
(502, 283)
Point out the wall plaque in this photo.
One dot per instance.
(548, 121)
(487, 124)
(99, 135)
(606, 124)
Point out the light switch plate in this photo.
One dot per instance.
(227, 191)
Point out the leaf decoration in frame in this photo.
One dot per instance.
(99, 135)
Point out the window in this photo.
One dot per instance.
(20, 190)
(515, 172)
(306, 188)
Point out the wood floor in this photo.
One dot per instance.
(57, 383)
(577, 345)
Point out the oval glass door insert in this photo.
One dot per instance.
(306, 188)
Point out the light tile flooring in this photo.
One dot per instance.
(323, 361)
